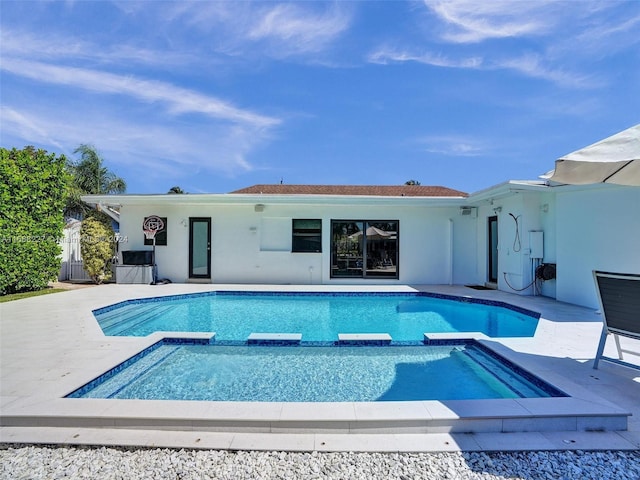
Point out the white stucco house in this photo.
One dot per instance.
(502, 237)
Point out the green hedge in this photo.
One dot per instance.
(32, 196)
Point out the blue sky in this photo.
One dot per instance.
(216, 96)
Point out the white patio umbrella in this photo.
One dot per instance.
(615, 159)
(374, 233)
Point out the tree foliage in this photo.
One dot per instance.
(176, 189)
(89, 176)
(97, 247)
(32, 194)
(412, 182)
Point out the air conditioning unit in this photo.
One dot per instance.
(469, 211)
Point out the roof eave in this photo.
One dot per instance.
(245, 199)
(508, 188)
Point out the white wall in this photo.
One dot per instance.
(246, 246)
(585, 228)
(548, 225)
(598, 228)
(465, 255)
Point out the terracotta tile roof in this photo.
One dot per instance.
(371, 190)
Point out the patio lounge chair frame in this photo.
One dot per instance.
(619, 297)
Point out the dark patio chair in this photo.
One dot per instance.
(619, 296)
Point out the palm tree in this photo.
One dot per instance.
(176, 189)
(89, 176)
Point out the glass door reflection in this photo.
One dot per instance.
(346, 249)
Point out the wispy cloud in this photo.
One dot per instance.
(178, 100)
(55, 47)
(277, 30)
(297, 29)
(534, 66)
(153, 149)
(387, 55)
(529, 65)
(453, 145)
(600, 33)
(550, 30)
(15, 123)
(470, 21)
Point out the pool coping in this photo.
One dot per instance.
(585, 413)
(579, 411)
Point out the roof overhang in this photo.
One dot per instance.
(506, 189)
(118, 201)
(109, 210)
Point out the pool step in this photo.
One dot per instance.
(257, 338)
(364, 339)
(119, 320)
(504, 373)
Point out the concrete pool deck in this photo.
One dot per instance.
(51, 345)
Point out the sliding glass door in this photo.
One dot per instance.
(382, 249)
(346, 249)
(364, 249)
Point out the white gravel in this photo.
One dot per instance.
(41, 462)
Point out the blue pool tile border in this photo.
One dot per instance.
(317, 343)
(481, 301)
(213, 293)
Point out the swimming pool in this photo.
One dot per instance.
(319, 317)
(185, 370)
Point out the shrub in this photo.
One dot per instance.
(32, 193)
(97, 248)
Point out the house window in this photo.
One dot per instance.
(364, 248)
(306, 236)
(161, 236)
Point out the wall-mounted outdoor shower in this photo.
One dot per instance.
(517, 244)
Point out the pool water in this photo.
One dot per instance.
(318, 317)
(316, 374)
